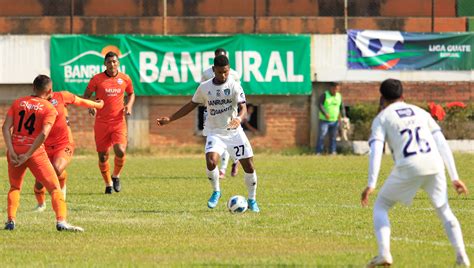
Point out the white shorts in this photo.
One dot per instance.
(237, 144)
(403, 190)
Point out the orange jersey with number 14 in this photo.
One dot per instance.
(60, 133)
(29, 115)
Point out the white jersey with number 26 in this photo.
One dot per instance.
(408, 130)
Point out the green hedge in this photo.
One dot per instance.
(458, 123)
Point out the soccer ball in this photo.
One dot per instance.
(237, 204)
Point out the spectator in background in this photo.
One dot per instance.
(331, 108)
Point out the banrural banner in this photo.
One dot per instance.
(391, 50)
(172, 65)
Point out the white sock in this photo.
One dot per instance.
(251, 182)
(382, 226)
(452, 228)
(224, 161)
(213, 176)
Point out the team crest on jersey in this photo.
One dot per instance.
(218, 93)
(54, 102)
(405, 112)
(120, 81)
(227, 91)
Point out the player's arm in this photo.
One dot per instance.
(87, 95)
(448, 159)
(235, 122)
(7, 137)
(129, 106)
(375, 161)
(36, 144)
(186, 109)
(98, 104)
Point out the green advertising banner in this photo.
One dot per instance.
(172, 65)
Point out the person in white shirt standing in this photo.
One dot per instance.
(419, 149)
(209, 74)
(226, 107)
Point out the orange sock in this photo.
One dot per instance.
(59, 205)
(40, 195)
(118, 165)
(62, 179)
(105, 170)
(13, 203)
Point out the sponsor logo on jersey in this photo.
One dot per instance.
(227, 91)
(209, 93)
(120, 81)
(405, 112)
(31, 106)
(219, 102)
(219, 111)
(54, 102)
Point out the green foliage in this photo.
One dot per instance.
(310, 216)
(361, 116)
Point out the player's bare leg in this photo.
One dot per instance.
(250, 177)
(105, 171)
(212, 158)
(59, 165)
(119, 162)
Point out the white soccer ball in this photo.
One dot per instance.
(237, 204)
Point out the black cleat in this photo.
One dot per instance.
(10, 225)
(108, 189)
(116, 182)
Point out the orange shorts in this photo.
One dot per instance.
(65, 151)
(109, 133)
(39, 165)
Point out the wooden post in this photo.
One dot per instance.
(165, 17)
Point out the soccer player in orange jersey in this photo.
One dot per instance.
(110, 127)
(60, 144)
(27, 125)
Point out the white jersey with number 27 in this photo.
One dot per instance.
(408, 130)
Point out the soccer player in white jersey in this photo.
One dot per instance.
(209, 74)
(225, 102)
(419, 150)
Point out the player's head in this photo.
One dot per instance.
(391, 90)
(221, 68)
(220, 51)
(43, 86)
(334, 88)
(111, 61)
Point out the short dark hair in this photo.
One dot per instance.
(110, 54)
(221, 61)
(220, 51)
(333, 84)
(391, 89)
(40, 82)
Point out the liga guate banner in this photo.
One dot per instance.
(392, 50)
(173, 65)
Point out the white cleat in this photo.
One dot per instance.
(380, 261)
(64, 226)
(39, 208)
(463, 260)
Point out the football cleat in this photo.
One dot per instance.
(116, 182)
(235, 169)
(380, 261)
(108, 189)
(64, 226)
(39, 208)
(214, 199)
(463, 260)
(221, 174)
(10, 225)
(253, 205)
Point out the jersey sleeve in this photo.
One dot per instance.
(129, 88)
(50, 115)
(68, 97)
(239, 92)
(92, 86)
(378, 132)
(432, 125)
(198, 96)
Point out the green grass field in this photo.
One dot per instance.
(310, 215)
